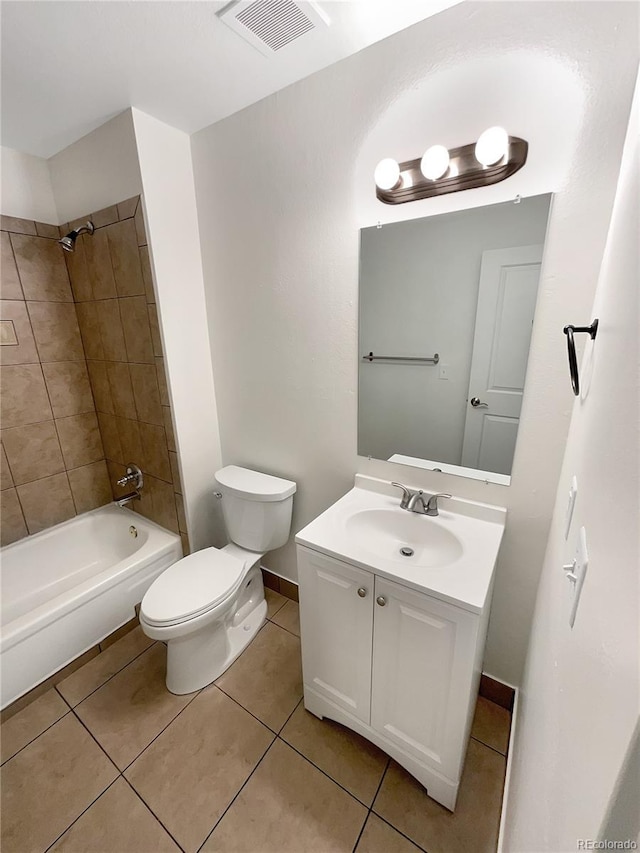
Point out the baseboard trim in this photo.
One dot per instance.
(279, 584)
(507, 778)
(497, 691)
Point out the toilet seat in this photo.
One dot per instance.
(191, 587)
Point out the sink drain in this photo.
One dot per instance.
(406, 551)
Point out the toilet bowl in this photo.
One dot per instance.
(208, 606)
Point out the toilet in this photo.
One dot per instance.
(208, 606)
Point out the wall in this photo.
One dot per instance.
(52, 456)
(26, 187)
(110, 274)
(579, 701)
(170, 209)
(98, 170)
(418, 295)
(279, 192)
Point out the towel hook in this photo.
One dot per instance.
(569, 331)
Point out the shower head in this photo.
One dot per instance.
(68, 242)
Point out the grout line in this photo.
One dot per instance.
(366, 820)
(184, 708)
(94, 738)
(492, 748)
(324, 772)
(384, 820)
(403, 834)
(7, 760)
(148, 807)
(93, 802)
(113, 675)
(240, 705)
(297, 705)
(237, 794)
(283, 628)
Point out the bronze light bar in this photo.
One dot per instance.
(464, 173)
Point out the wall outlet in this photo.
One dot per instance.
(444, 371)
(575, 573)
(573, 492)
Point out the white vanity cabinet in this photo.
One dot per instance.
(396, 665)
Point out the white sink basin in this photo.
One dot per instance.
(454, 553)
(385, 532)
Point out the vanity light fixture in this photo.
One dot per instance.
(387, 174)
(492, 146)
(494, 157)
(435, 162)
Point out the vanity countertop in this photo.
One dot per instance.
(454, 554)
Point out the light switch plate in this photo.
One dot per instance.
(444, 371)
(581, 562)
(573, 493)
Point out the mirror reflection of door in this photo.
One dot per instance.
(504, 319)
(461, 284)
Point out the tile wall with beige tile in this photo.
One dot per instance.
(110, 274)
(53, 461)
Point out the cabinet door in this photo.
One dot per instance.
(422, 671)
(337, 625)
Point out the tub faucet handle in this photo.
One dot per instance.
(133, 476)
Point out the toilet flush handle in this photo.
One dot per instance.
(217, 495)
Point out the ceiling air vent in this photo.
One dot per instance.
(270, 25)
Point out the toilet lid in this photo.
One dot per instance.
(192, 586)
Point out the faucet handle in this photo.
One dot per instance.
(406, 495)
(432, 503)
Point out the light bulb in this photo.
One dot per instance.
(492, 146)
(387, 174)
(435, 162)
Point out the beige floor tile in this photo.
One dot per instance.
(27, 724)
(474, 825)
(127, 712)
(274, 601)
(289, 617)
(267, 678)
(379, 837)
(288, 805)
(119, 822)
(191, 773)
(351, 760)
(99, 670)
(491, 725)
(49, 784)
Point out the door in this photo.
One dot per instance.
(506, 303)
(423, 652)
(336, 613)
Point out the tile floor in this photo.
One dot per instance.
(110, 762)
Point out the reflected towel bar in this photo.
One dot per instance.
(434, 359)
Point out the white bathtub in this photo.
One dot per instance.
(67, 588)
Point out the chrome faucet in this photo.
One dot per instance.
(414, 501)
(125, 499)
(133, 477)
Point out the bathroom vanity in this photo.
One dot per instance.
(394, 608)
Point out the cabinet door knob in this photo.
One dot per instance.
(362, 592)
(381, 600)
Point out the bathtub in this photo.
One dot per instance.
(67, 588)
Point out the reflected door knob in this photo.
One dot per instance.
(381, 600)
(362, 592)
(478, 404)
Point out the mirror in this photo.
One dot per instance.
(446, 312)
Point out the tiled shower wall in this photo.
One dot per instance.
(97, 386)
(112, 286)
(53, 463)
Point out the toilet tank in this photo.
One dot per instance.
(256, 507)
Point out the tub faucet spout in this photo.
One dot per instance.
(125, 499)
